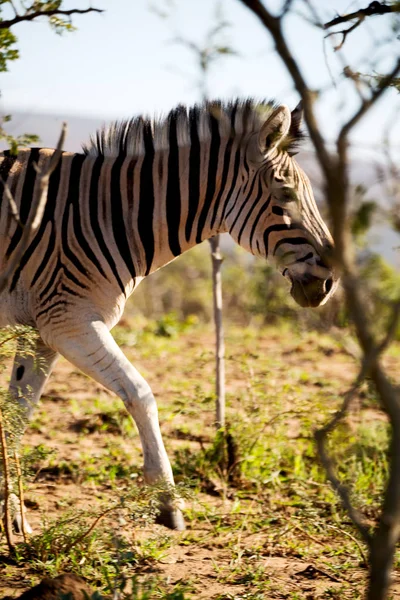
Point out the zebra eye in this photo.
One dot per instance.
(278, 210)
(288, 195)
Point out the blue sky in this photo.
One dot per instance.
(122, 63)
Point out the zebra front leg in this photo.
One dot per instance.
(30, 372)
(92, 349)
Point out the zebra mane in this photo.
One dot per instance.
(135, 136)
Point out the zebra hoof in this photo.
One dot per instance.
(171, 518)
(17, 525)
(15, 508)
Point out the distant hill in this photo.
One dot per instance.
(48, 128)
(382, 239)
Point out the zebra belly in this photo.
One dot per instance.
(64, 310)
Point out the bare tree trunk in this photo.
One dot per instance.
(385, 537)
(381, 560)
(217, 259)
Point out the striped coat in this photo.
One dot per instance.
(139, 195)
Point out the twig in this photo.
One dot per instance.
(21, 496)
(90, 529)
(344, 33)
(11, 201)
(364, 108)
(46, 13)
(13, 337)
(355, 540)
(318, 23)
(13, 7)
(35, 213)
(6, 473)
(311, 537)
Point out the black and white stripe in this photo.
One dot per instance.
(143, 192)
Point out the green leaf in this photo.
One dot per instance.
(226, 50)
(61, 25)
(7, 52)
(15, 142)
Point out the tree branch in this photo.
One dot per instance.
(46, 13)
(373, 9)
(286, 8)
(274, 27)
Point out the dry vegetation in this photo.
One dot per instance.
(271, 529)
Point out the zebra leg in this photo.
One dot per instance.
(93, 350)
(30, 372)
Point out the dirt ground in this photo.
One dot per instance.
(217, 563)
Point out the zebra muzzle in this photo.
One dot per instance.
(312, 291)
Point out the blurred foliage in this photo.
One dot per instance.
(7, 52)
(175, 297)
(362, 213)
(382, 286)
(19, 141)
(183, 288)
(27, 12)
(252, 288)
(379, 80)
(13, 415)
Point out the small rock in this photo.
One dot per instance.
(53, 589)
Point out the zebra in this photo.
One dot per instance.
(141, 193)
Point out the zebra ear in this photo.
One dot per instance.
(275, 128)
(295, 132)
(296, 120)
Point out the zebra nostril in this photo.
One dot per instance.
(328, 285)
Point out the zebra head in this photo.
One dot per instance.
(279, 218)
